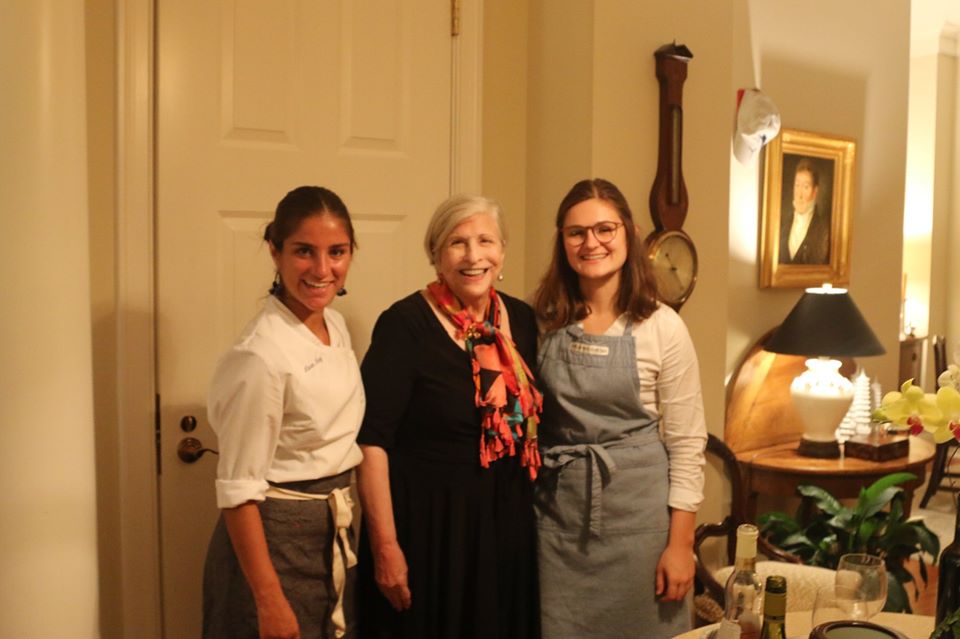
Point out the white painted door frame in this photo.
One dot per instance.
(135, 278)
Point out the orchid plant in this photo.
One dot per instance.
(913, 410)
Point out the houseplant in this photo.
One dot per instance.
(876, 525)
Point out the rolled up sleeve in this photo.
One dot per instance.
(681, 411)
(245, 408)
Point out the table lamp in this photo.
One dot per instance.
(825, 323)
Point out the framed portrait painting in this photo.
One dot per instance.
(806, 210)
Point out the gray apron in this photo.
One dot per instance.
(601, 499)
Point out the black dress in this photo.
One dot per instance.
(467, 532)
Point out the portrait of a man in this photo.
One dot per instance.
(806, 210)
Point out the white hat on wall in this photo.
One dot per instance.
(758, 122)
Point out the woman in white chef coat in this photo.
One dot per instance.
(286, 402)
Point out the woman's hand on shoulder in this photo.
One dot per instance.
(675, 572)
(276, 620)
(391, 574)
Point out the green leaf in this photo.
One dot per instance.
(872, 503)
(824, 500)
(885, 482)
(866, 531)
(929, 541)
(897, 600)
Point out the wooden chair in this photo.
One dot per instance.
(945, 451)
(708, 588)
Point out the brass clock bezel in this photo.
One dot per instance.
(655, 243)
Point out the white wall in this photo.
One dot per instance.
(48, 539)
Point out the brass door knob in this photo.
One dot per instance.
(190, 449)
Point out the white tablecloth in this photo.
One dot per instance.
(798, 625)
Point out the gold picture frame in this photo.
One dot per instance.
(807, 176)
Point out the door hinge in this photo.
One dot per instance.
(156, 430)
(454, 17)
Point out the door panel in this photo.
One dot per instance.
(256, 97)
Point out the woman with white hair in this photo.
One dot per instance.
(449, 442)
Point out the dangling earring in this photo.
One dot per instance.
(341, 292)
(277, 287)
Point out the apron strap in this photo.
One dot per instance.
(341, 508)
(600, 463)
(601, 467)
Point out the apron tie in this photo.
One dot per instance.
(341, 508)
(601, 466)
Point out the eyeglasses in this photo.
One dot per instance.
(605, 232)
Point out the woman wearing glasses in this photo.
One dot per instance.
(622, 436)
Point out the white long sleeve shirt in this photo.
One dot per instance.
(670, 388)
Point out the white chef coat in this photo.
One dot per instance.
(285, 406)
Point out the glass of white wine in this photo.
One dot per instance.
(864, 578)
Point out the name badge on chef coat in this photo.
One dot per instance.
(318, 359)
(589, 349)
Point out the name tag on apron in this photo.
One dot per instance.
(589, 349)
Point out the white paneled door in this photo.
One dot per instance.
(255, 97)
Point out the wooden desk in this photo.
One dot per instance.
(777, 470)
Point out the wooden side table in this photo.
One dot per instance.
(777, 471)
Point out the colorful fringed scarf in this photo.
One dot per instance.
(509, 402)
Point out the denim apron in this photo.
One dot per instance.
(601, 499)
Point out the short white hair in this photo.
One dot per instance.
(451, 213)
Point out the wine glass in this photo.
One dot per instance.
(834, 603)
(861, 584)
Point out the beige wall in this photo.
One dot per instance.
(851, 86)
(945, 275)
(48, 538)
(504, 116)
(101, 184)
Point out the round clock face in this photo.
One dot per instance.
(674, 261)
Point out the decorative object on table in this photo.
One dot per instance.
(774, 608)
(876, 525)
(669, 249)
(864, 578)
(758, 122)
(805, 223)
(857, 421)
(857, 629)
(743, 594)
(868, 440)
(825, 323)
(948, 593)
(878, 446)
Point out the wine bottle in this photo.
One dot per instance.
(743, 593)
(948, 586)
(774, 608)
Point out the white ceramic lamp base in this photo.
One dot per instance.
(822, 397)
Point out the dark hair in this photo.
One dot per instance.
(559, 301)
(806, 165)
(301, 203)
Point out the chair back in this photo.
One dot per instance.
(939, 355)
(728, 526)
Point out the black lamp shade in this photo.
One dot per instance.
(825, 324)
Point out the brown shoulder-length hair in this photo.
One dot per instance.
(558, 301)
